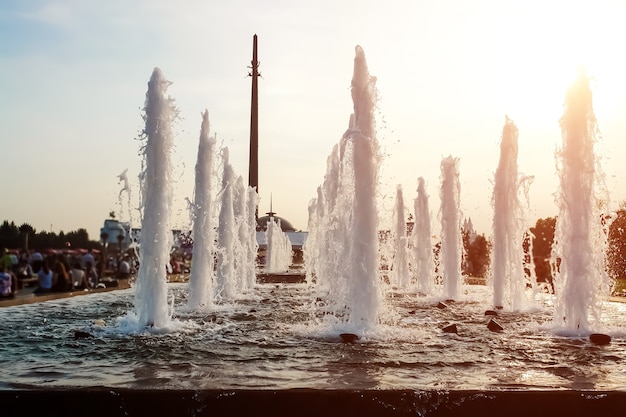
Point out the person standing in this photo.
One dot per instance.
(92, 274)
(88, 257)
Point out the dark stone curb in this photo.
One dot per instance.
(111, 402)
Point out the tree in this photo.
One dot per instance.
(9, 235)
(616, 251)
(79, 238)
(477, 255)
(543, 239)
(26, 230)
(24, 236)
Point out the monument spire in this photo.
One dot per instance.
(270, 213)
(253, 173)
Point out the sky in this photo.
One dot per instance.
(74, 76)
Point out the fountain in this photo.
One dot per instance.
(509, 225)
(246, 201)
(353, 271)
(275, 349)
(400, 264)
(123, 178)
(224, 283)
(451, 247)
(327, 225)
(202, 261)
(363, 257)
(581, 282)
(279, 255)
(422, 241)
(151, 292)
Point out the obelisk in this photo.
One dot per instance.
(253, 174)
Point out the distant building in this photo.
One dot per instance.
(115, 231)
(468, 227)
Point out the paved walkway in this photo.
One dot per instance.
(27, 296)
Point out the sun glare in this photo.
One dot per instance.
(535, 54)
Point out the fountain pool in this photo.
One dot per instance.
(276, 349)
(273, 340)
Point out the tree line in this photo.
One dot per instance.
(477, 251)
(477, 248)
(25, 236)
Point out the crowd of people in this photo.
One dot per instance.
(53, 271)
(57, 271)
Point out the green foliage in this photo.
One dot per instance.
(616, 252)
(620, 287)
(543, 238)
(477, 255)
(9, 235)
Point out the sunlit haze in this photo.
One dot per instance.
(75, 75)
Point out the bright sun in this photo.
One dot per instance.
(541, 50)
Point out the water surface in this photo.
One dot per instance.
(276, 338)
